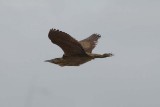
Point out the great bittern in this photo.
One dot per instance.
(75, 52)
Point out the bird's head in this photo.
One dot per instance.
(55, 61)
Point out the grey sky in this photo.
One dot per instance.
(129, 29)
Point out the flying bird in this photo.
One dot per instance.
(75, 52)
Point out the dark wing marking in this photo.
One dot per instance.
(69, 45)
(89, 43)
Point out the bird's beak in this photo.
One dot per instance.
(47, 61)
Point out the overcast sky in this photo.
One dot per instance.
(130, 29)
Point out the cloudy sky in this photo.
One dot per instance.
(129, 28)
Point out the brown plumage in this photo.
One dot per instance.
(75, 52)
(69, 45)
(89, 43)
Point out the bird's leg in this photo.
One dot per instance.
(107, 54)
(102, 55)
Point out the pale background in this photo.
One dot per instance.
(129, 28)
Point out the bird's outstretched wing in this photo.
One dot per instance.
(69, 45)
(89, 43)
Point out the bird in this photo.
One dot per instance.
(75, 52)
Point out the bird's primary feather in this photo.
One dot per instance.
(69, 45)
(75, 53)
(89, 43)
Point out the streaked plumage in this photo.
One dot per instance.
(89, 43)
(75, 52)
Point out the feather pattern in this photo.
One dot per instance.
(68, 44)
(90, 43)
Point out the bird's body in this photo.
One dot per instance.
(75, 52)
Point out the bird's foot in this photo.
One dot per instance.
(108, 54)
